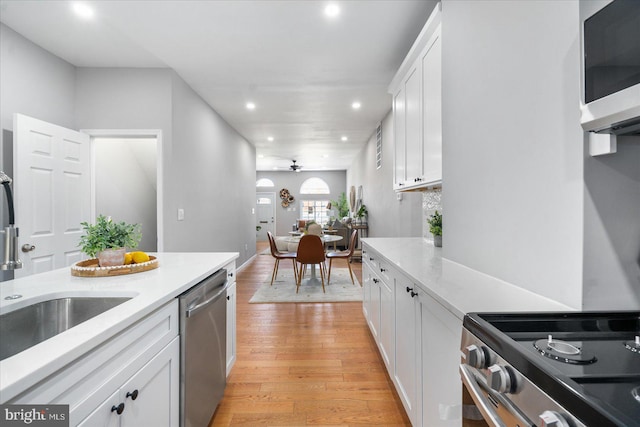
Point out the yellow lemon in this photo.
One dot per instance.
(139, 257)
(128, 258)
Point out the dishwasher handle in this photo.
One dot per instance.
(191, 311)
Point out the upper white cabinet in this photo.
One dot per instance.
(417, 111)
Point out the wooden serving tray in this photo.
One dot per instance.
(90, 268)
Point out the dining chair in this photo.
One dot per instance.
(310, 252)
(278, 255)
(346, 254)
(314, 228)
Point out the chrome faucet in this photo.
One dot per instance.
(11, 259)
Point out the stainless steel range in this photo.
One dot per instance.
(552, 369)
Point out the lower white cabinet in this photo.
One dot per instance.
(419, 340)
(439, 384)
(150, 397)
(378, 307)
(231, 316)
(144, 357)
(231, 327)
(406, 370)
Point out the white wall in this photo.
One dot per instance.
(286, 217)
(512, 143)
(612, 228)
(388, 216)
(126, 184)
(35, 83)
(214, 180)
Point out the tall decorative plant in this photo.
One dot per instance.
(341, 205)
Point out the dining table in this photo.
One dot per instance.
(326, 238)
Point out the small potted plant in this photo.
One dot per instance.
(362, 214)
(108, 240)
(435, 227)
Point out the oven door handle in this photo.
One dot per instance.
(485, 407)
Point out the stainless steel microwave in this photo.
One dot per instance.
(610, 71)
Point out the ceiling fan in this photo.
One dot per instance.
(295, 167)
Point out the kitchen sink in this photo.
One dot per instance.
(25, 327)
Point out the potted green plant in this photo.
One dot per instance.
(362, 213)
(341, 205)
(435, 227)
(108, 240)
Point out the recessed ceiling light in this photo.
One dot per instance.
(332, 10)
(270, 138)
(83, 11)
(355, 105)
(251, 106)
(344, 138)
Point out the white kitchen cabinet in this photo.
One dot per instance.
(399, 145)
(378, 304)
(405, 374)
(439, 357)
(417, 112)
(87, 384)
(150, 397)
(231, 316)
(419, 340)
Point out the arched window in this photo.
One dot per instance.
(314, 208)
(264, 182)
(314, 186)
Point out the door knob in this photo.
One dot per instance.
(27, 247)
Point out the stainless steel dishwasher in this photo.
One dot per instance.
(203, 349)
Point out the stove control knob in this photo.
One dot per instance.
(501, 379)
(552, 419)
(477, 357)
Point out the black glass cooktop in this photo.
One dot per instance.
(589, 362)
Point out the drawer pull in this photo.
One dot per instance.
(118, 409)
(382, 270)
(409, 289)
(133, 395)
(375, 280)
(370, 259)
(413, 294)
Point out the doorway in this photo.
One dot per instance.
(266, 215)
(126, 181)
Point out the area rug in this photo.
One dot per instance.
(284, 289)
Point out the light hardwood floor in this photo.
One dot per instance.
(304, 364)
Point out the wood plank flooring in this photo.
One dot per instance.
(304, 364)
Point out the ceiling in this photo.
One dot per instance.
(301, 68)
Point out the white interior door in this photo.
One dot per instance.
(52, 186)
(266, 214)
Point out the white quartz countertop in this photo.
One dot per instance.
(458, 288)
(149, 290)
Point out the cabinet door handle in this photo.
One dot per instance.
(133, 395)
(370, 259)
(230, 274)
(375, 280)
(382, 270)
(409, 289)
(413, 294)
(228, 298)
(118, 409)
